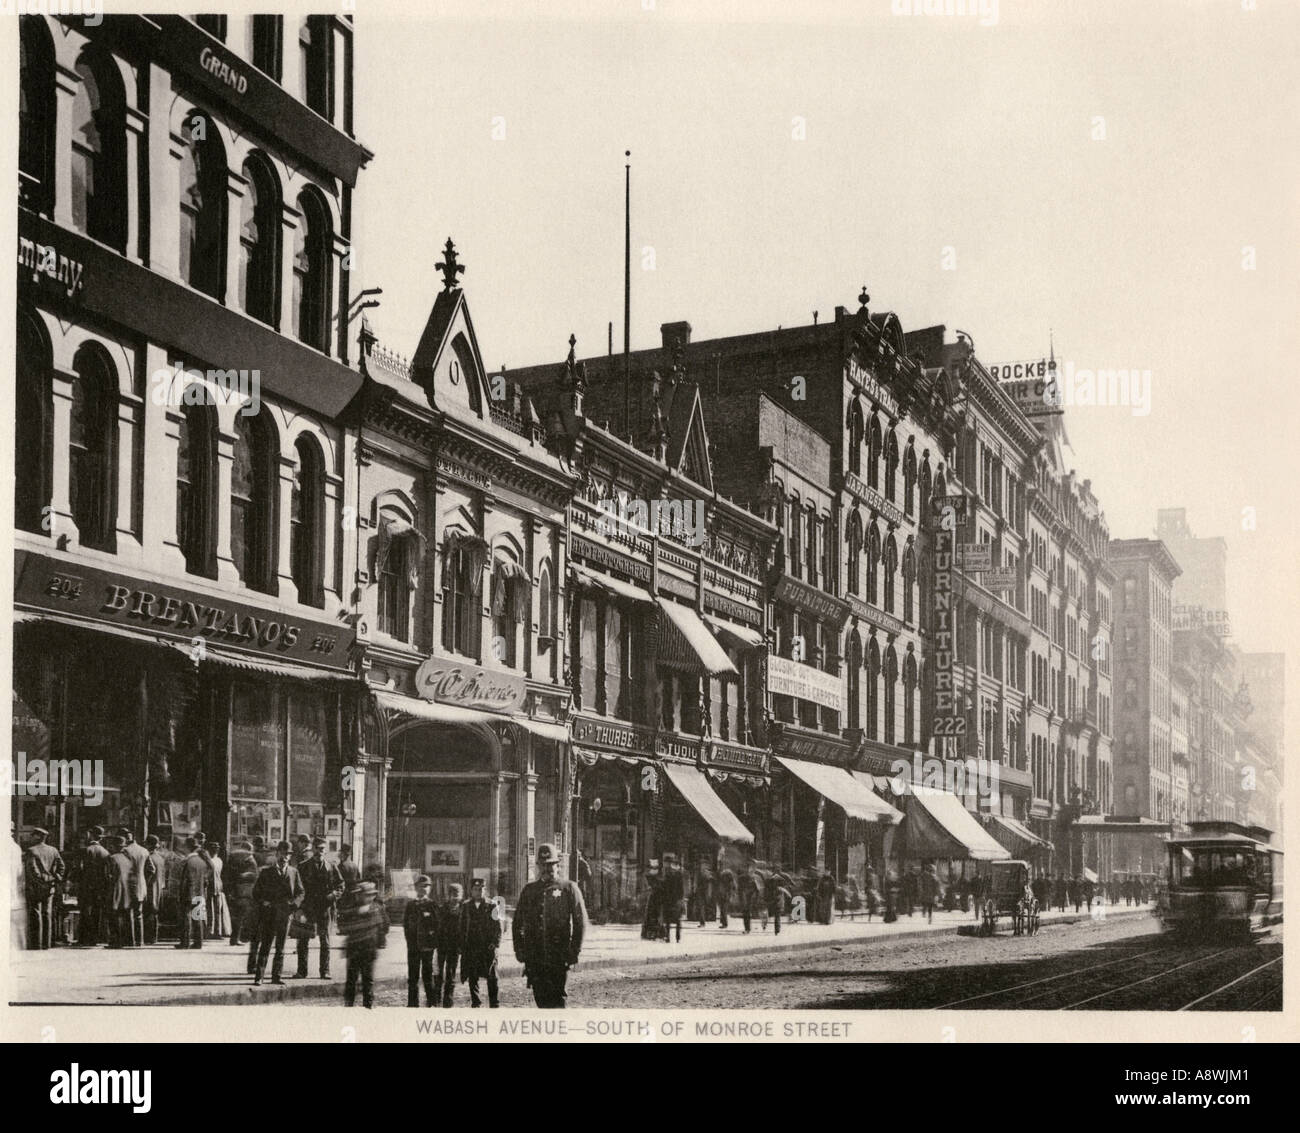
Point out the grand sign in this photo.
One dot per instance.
(468, 686)
(790, 678)
(161, 610)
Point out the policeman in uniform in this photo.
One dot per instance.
(548, 927)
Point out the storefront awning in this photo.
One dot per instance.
(742, 636)
(432, 710)
(593, 581)
(688, 640)
(938, 826)
(451, 714)
(694, 787)
(544, 729)
(589, 757)
(212, 656)
(1013, 835)
(1106, 824)
(843, 790)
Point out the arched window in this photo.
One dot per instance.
(792, 567)
(462, 573)
(874, 447)
(315, 66)
(545, 623)
(311, 272)
(909, 580)
(873, 564)
(99, 151)
(36, 115)
(940, 483)
(92, 428)
(469, 373)
(811, 556)
(196, 490)
(873, 690)
(891, 687)
(268, 45)
(855, 439)
(855, 680)
(203, 207)
(307, 524)
(259, 243)
(909, 698)
(511, 604)
(909, 479)
(891, 467)
(253, 484)
(33, 427)
(855, 553)
(891, 568)
(925, 483)
(395, 574)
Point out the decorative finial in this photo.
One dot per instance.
(1051, 348)
(450, 266)
(863, 297)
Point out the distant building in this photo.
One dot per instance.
(1204, 562)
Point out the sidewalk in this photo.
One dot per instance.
(162, 974)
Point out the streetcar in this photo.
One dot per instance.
(1223, 877)
(1009, 896)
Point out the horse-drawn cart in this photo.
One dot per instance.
(1009, 896)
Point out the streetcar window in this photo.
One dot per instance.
(1213, 866)
(1264, 872)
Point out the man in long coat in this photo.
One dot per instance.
(277, 893)
(548, 928)
(480, 936)
(120, 892)
(195, 886)
(155, 885)
(322, 886)
(138, 855)
(90, 889)
(43, 873)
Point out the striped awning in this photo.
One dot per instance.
(741, 636)
(693, 786)
(685, 641)
(592, 581)
(841, 788)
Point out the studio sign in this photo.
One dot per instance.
(467, 686)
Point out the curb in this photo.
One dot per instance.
(318, 989)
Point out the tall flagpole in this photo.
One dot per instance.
(627, 296)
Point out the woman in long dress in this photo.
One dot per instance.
(218, 908)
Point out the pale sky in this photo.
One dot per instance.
(925, 136)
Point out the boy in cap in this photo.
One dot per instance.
(364, 925)
(420, 924)
(444, 981)
(480, 936)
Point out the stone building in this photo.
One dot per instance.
(184, 227)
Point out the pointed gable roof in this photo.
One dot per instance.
(449, 330)
(688, 451)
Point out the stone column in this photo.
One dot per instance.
(164, 179)
(236, 186)
(226, 571)
(290, 218)
(286, 588)
(332, 517)
(130, 434)
(66, 84)
(59, 521)
(137, 127)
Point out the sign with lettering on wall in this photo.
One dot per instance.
(469, 686)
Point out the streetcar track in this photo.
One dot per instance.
(1233, 983)
(1044, 979)
(1146, 979)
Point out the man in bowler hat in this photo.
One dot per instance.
(276, 894)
